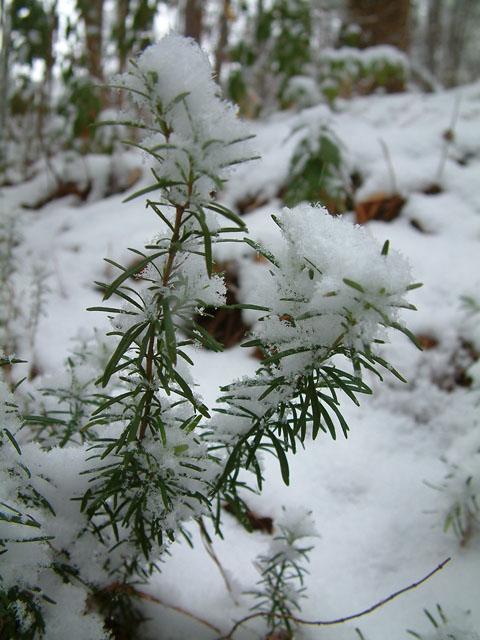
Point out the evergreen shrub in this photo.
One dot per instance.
(126, 454)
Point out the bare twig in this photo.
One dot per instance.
(325, 623)
(146, 596)
(207, 542)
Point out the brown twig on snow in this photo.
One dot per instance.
(324, 623)
(207, 542)
(146, 596)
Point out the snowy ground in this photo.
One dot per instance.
(380, 522)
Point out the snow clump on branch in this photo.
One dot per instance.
(333, 286)
(194, 132)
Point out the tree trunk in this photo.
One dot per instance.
(193, 20)
(46, 89)
(50, 53)
(4, 76)
(91, 12)
(457, 37)
(381, 21)
(433, 36)
(123, 7)
(225, 17)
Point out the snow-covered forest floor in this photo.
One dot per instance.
(379, 499)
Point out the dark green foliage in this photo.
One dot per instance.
(349, 71)
(85, 103)
(291, 30)
(237, 86)
(313, 407)
(316, 172)
(31, 27)
(20, 615)
(118, 605)
(275, 48)
(132, 29)
(281, 585)
(464, 516)
(152, 470)
(439, 621)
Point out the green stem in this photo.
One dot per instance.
(172, 252)
(276, 595)
(150, 355)
(149, 392)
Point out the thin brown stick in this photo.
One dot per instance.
(325, 623)
(146, 596)
(173, 250)
(207, 543)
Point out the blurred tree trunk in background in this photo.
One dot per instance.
(450, 35)
(4, 76)
(91, 13)
(457, 35)
(433, 35)
(51, 29)
(193, 19)
(120, 34)
(132, 29)
(225, 17)
(381, 21)
(29, 32)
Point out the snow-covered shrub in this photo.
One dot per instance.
(72, 395)
(334, 288)
(275, 48)
(20, 309)
(464, 488)
(334, 292)
(349, 71)
(137, 467)
(281, 585)
(317, 170)
(42, 591)
(156, 469)
(443, 629)
(462, 482)
(194, 136)
(10, 236)
(124, 480)
(303, 92)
